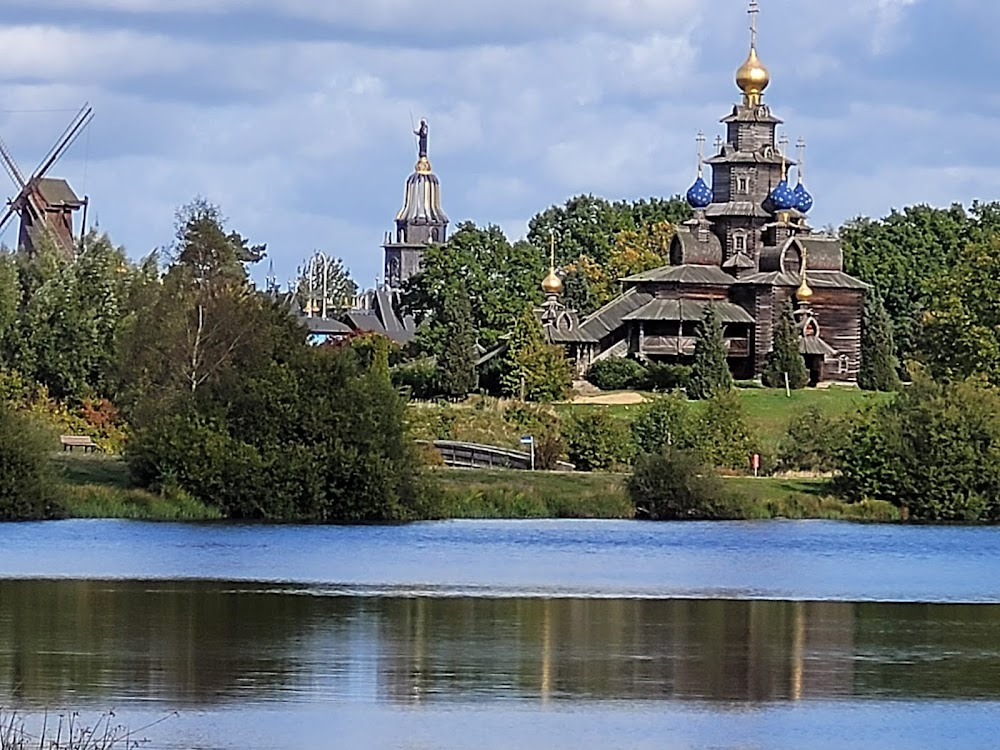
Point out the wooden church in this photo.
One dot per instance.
(748, 252)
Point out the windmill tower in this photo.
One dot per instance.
(45, 205)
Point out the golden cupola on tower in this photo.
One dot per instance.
(752, 76)
(552, 285)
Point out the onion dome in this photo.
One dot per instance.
(552, 285)
(700, 194)
(803, 200)
(804, 292)
(783, 197)
(752, 77)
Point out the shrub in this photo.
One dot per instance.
(811, 442)
(419, 377)
(596, 441)
(722, 434)
(665, 421)
(660, 377)
(617, 374)
(676, 485)
(26, 490)
(933, 450)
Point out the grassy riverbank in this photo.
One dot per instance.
(98, 486)
(518, 494)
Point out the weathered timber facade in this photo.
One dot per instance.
(748, 252)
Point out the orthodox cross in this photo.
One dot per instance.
(754, 10)
(718, 143)
(701, 150)
(783, 143)
(801, 146)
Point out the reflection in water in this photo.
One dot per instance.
(209, 643)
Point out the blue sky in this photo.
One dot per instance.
(295, 117)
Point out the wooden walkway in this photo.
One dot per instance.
(474, 456)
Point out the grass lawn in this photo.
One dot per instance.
(494, 422)
(95, 485)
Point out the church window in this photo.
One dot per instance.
(740, 243)
(843, 363)
(435, 237)
(741, 184)
(400, 236)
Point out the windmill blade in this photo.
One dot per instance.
(8, 215)
(11, 166)
(69, 136)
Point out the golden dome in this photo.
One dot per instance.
(805, 292)
(752, 77)
(552, 284)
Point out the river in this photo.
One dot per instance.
(553, 634)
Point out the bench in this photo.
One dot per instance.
(69, 442)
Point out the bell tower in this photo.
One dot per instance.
(420, 222)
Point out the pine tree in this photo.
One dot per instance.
(710, 373)
(533, 368)
(878, 360)
(786, 356)
(456, 367)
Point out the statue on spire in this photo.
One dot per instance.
(421, 134)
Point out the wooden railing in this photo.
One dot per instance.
(475, 456)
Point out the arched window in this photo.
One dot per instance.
(740, 242)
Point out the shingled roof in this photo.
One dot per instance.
(817, 279)
(57, 193)
(689, 310)
(609, 318)
(686, 274)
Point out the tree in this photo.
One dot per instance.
(201, 317)
(456, 366)
(26, 491)
(934, 449)
(721, 433)
(785, 358)
(960, 337)
(289, 432)
(596, 441)
(878, 357)
(664, 422)
(532, 368)
(498, 278)
(710, 372)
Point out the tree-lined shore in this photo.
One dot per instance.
(210, 390)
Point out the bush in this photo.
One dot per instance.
(661, 378)
(722, 434)
(419, 377)
(596, 441)
(676, 485)
(317, 438)
(665, 421)
(26, 491)
(617, 374)
(934, 451)
(811, 442)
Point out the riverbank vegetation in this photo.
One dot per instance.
(221, 407)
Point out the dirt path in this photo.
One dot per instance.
(612, 399)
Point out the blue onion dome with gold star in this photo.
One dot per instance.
(783, 197)
(803, 200)
(700, 194)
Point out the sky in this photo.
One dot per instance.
(295, 116)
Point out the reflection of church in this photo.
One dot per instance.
(747, 252)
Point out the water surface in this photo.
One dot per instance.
(501, 635)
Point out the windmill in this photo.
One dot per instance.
(45, 204)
